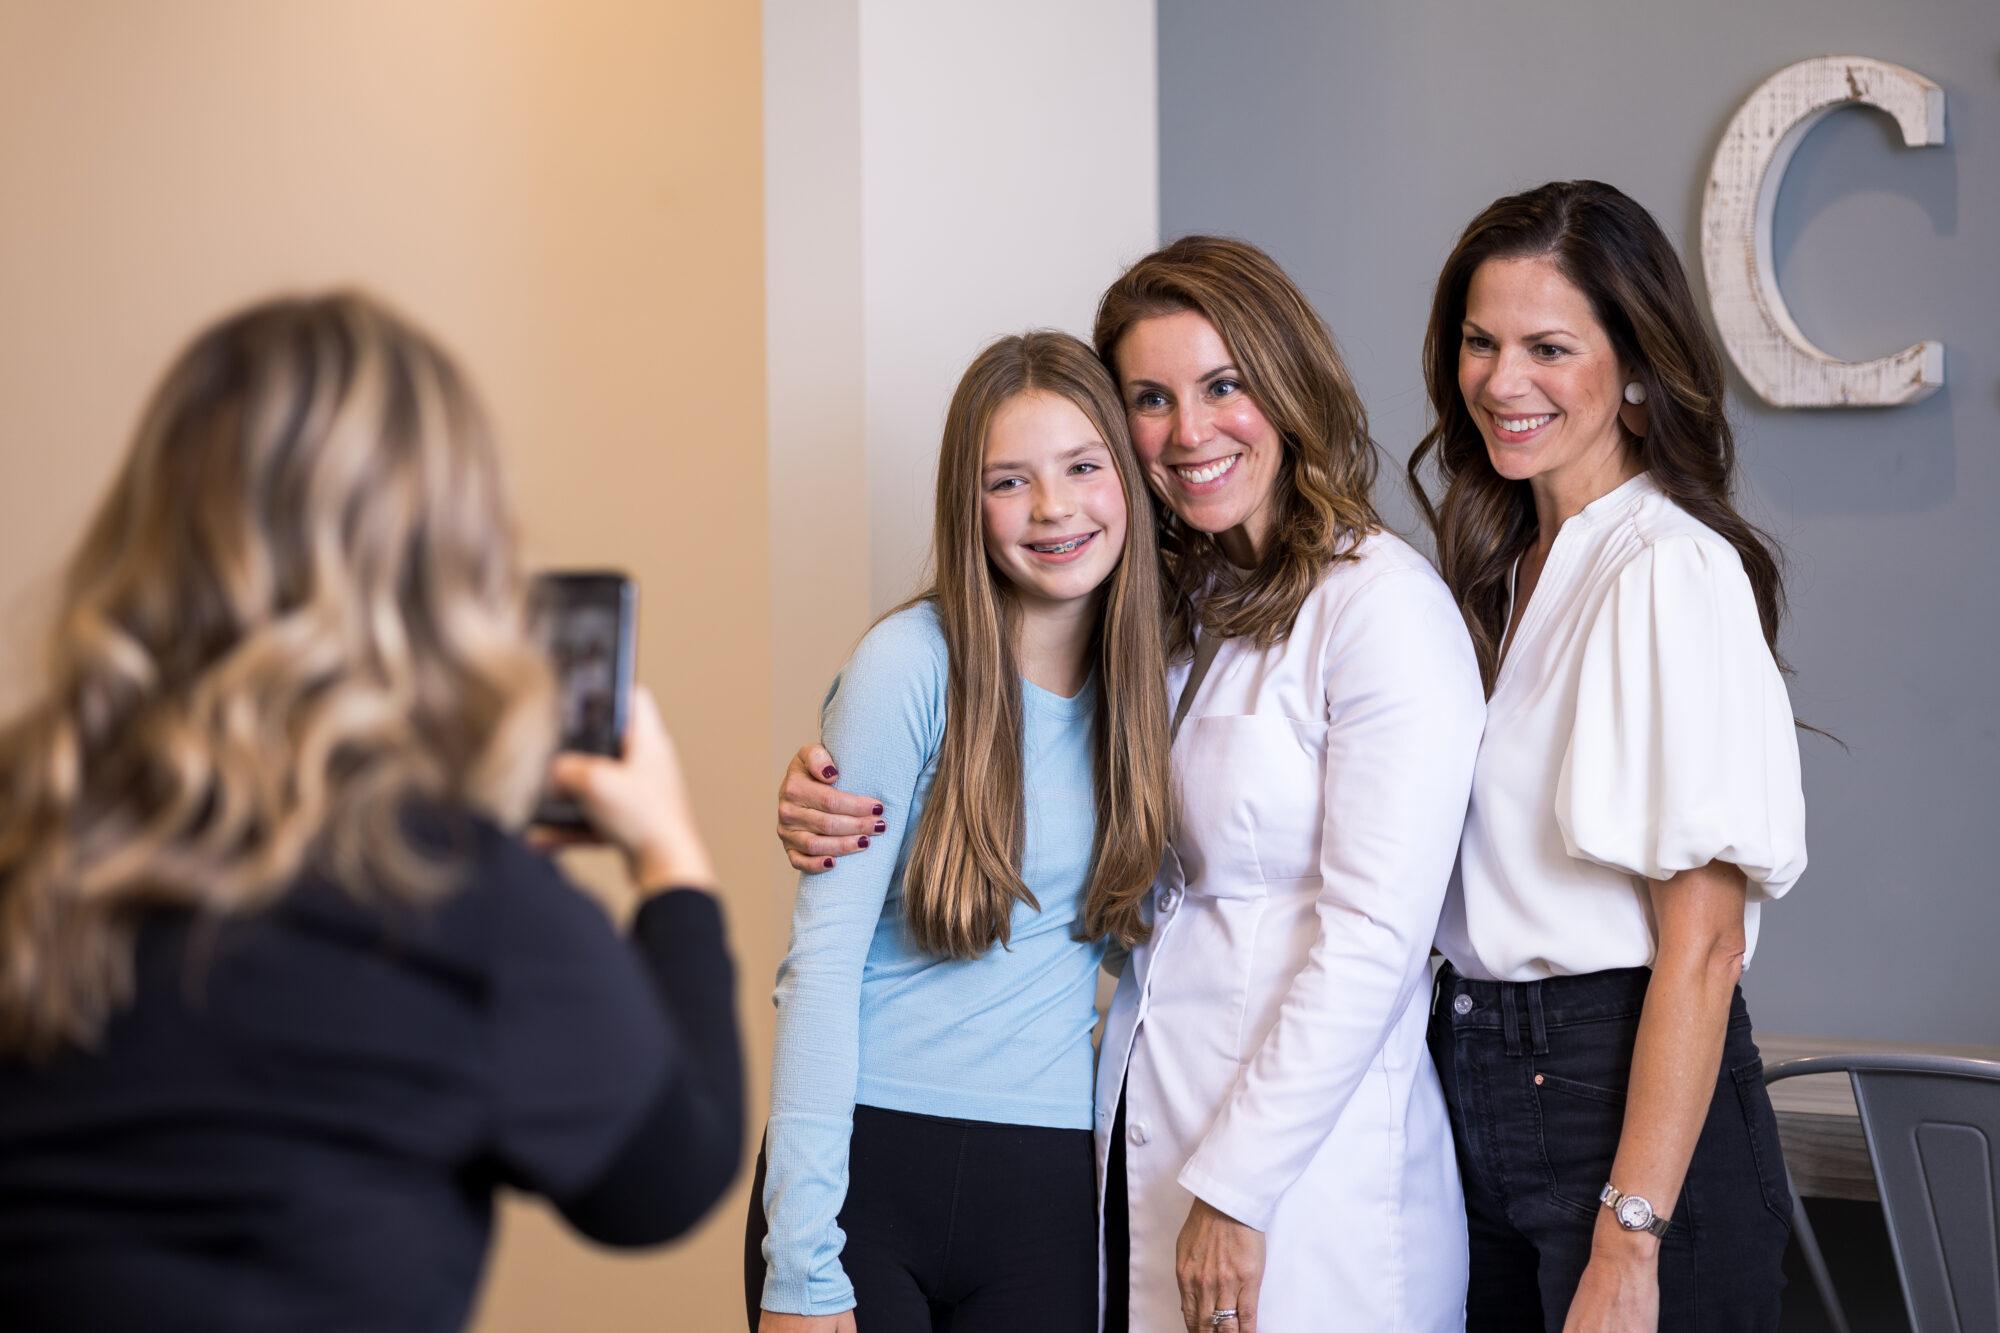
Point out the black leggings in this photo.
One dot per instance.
(959, 1225)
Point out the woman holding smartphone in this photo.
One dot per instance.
(284, 998)
(928, 1163)
(1273, 1138)
(1637, 795)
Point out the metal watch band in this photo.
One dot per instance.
(1611, 1197)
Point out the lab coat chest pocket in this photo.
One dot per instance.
(1256, 809)
(1291, 806)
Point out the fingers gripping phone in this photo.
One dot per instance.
(587, 622)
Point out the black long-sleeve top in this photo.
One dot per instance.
(300, 1119)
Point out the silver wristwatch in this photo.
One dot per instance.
(1633, 1213)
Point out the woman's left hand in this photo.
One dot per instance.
(1219, 1263)
(1618, 1294)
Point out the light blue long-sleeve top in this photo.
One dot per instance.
(866, 1016)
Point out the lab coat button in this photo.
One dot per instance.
(1137, 1133)
(1463, 1004)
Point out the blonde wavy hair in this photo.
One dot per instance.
(298, 611)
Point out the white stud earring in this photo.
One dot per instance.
(1635, 393)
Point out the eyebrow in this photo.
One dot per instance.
(1068, 455)
(1227, 368)
(1532, 337)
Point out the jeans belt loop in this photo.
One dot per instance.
(1537, 1025)
(1510, 1021)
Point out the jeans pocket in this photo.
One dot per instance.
(1760, 1121)
(1580, 1124)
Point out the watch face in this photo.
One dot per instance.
(1634, 1213)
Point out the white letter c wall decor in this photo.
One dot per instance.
(1777, 360)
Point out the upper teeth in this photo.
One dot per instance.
(1519, 424)
(1063, 548)
(1208, 472)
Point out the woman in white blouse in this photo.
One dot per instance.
(1268, 1120)
(1637, 792)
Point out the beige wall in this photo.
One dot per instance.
(570, 195)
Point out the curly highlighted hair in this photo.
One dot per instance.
(298, 610)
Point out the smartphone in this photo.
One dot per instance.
(587, 622)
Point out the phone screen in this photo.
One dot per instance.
(585, 622)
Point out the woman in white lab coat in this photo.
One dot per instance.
(1282, 1146)
(1281, 1149)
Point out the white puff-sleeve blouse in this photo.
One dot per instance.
(1638, 727)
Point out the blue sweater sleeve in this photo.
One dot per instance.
(883, 721)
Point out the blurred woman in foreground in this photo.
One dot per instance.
(282, 996)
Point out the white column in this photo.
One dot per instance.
(1010, 170)
(937, 173)
(815, 359)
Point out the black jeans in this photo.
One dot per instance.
(1534, 1074)
(959, 1225)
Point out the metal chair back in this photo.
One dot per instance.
(1933, 1128)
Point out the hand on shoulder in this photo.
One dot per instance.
(816, 820)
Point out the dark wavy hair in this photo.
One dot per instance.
(1293, 371)
(1617, 256)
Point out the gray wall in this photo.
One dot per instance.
(1355, 140)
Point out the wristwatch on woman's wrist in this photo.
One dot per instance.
(1633, 1213)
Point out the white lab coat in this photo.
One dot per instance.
(1269, 1036)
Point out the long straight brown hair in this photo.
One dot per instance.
(1615, 253)
(298, 608)
(1292, 369)
(964, 872)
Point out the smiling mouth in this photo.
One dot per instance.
(1521, 425)
(1063, 547)
(1207, 472)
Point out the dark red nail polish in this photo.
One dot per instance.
(864, 840)
(880, 827)
(829, 772)
(827, 864)
(878, 810)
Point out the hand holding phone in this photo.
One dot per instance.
(616, 778)
(639, 803)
